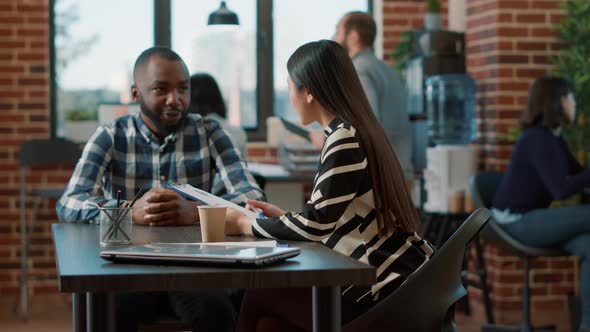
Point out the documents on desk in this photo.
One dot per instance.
(299, 158)
(268, 170)
(206, 198)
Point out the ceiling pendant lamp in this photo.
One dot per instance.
(223, 16)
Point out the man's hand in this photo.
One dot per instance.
(164, 207)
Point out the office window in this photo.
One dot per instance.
(228, 53)
(96, 46)
(294, 25)
(96, 43)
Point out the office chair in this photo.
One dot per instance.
(34, 153)
(426, 301)
(483, 188)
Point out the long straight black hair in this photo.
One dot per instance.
(324, 68)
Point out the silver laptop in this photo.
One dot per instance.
(200, 254)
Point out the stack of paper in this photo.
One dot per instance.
(240, 244)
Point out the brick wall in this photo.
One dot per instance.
(24, 114)
(509, 44)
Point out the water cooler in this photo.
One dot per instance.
(438, 52)
(441, 104)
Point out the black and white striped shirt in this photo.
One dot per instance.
(341, 214)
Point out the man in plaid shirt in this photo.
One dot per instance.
(164, 143)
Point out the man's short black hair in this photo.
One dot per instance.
(163, 52)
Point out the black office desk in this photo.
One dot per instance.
(81, 271)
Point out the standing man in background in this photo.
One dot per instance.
(383, 85)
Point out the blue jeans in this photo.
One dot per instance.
(567, 228)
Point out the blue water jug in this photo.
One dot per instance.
(450, 107)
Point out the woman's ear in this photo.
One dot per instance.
(309, 97)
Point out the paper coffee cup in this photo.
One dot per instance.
(212, 219)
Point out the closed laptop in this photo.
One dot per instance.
(206, 254)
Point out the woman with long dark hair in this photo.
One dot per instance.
(359, 204)
(542, 169)
(207, 100)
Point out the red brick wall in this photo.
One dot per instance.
(24, 114)
(509, 43)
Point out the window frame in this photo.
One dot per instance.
(163, 37)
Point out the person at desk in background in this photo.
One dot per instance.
(382, 84)
(542, 169)
(163, 143)
(207, 100)
(359, 205)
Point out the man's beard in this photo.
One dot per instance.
(163, 130)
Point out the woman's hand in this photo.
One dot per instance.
(269, 210)
(237, 223)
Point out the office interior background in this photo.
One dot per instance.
(90, 46)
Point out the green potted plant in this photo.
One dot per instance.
(432, 18)
(573, 62)
(405, 49)
(81, 115)
(80, 124)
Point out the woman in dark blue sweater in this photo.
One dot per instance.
(542, 169)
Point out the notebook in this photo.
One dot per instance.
(200, 254)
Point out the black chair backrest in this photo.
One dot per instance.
(424, 301)
(39, 152)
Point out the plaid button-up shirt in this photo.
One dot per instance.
(127, 155)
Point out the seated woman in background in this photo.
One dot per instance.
(206, 99)
(359, 204)
(542, 169)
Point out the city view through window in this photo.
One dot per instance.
(96, 48)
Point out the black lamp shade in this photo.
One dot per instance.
(223, 16)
